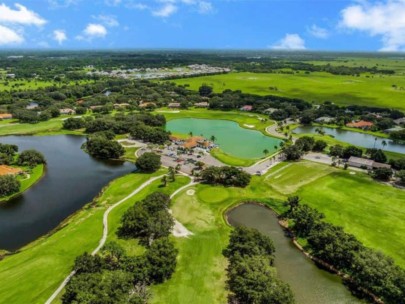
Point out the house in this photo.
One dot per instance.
(270, 110)
(6, 116)
(95, 107)
(80, 101)
(147, 105)
(362, 124)
(121, 105)
(32, 106)
(324, 119)
(173, 105)
(202, 104)
(365, 163)
(247, 108)
(67, 111)
(107, 93)
(7, 170)
(400, 121)
(12, 76)
(395, 129)
(197, 142)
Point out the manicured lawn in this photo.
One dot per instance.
(375, 90)
(373, 212)
(130, 154)
(32, 275)
(231, 160)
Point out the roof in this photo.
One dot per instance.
(361, 161)
(360, 124)
(193, 141)
(400, 121)
(381, 165)
(174, 104)
(6, 115)
(247, 108)
(202, 104)
(324, 118)
(6, 170)
(147, 104)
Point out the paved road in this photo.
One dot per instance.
(272, 130)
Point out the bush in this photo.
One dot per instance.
(227, 176)
(9, 185)
(352, 151)
(148, 162)
(74, 123)
(383, 174)
(305, 143)
(336, 150)
(319, 145)
(103, 148)
(293, 152)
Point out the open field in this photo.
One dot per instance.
(375, 90)
(373, 212)
(15, 85)
(32, 274)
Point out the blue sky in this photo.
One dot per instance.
(358, 25)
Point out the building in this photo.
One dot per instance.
(121, 105)
(6, 116)
(32, 106)
(365, 163)
(202, 104)
(270, 110)
(96, 107)
(324, 119)
(192, 142)
(362, 124)
(147, 105)
(12, 76)
(400, 121)
(67, 111)
(247, 108)
(7, 170)
(395, 129)
(174, 105)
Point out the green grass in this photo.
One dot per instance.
(231, 160)
(33, 274)
(15, 85)
(376, 90)
(373, 212)
(129, 154)
(34, 176)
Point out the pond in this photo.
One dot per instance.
(309, 284)
(355, 138)
(72, 179)
(230, 137)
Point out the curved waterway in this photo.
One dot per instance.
(72, 179)
(309, 284)
(355, 138)
(230, 137)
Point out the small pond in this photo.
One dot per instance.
(309, 284)
(72, 179)
(355, 138)
(230, 137)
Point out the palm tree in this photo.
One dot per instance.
(265, 151)
(384, 143)
(164, 180)
(190, 133)
(172, 174)
(375, 141)
(292, 202)
(213, 138)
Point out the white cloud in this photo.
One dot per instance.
(318, 32)
(62, 3)
(204, 7)
(59, 36)
(8, 36)
(93, 30)
(136, 5)
(385, 19)
(113, 2)
(290, 42)
(165, 11)
(21, 15)
(107, 20)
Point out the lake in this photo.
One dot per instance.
(355, 138)
(72, 179)
(309, 284)
(230, 137)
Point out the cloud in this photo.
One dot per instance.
(9, 36)
(205, 7)
(107, 20)
(21, 15)
(93, 30)
(318, 32)
(62, 3)
(385, 19)
(136, 5)
(59, 36)
(290, 42)
(165, 11)
(112, 2)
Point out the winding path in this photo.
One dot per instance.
(105, 232)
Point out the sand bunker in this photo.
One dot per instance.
(249, 126)
(190, 192)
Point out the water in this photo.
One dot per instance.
(355, 138)
(230, 137)
(72, 179)
(309, 284)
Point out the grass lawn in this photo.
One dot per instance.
(232, 160)
(373, 212)
(375, 90)
(129, 154)
(33, 274)
(26, 182)
(15, 85)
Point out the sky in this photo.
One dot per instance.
(331, 25)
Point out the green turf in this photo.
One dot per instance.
(231, 160)
(15, 84)
(374, 90)
(373, 212)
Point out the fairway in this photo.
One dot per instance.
(367, 90)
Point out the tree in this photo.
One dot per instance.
(319, 145)
(172, 174)
(265, 152)
(103, 148)
(383, 174)
(164, 180)
(305, 220)
(148, 162)
(401, 176)
(161, 258)
(377, 155)
(306, 143)
(292, 202)
(31, 158)
(74, 123)
(336, 150)
(227, 176)
(352, 151)
(293, 152)
(213, 138)
(205, 90)
(384, 143)
(9, 185)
